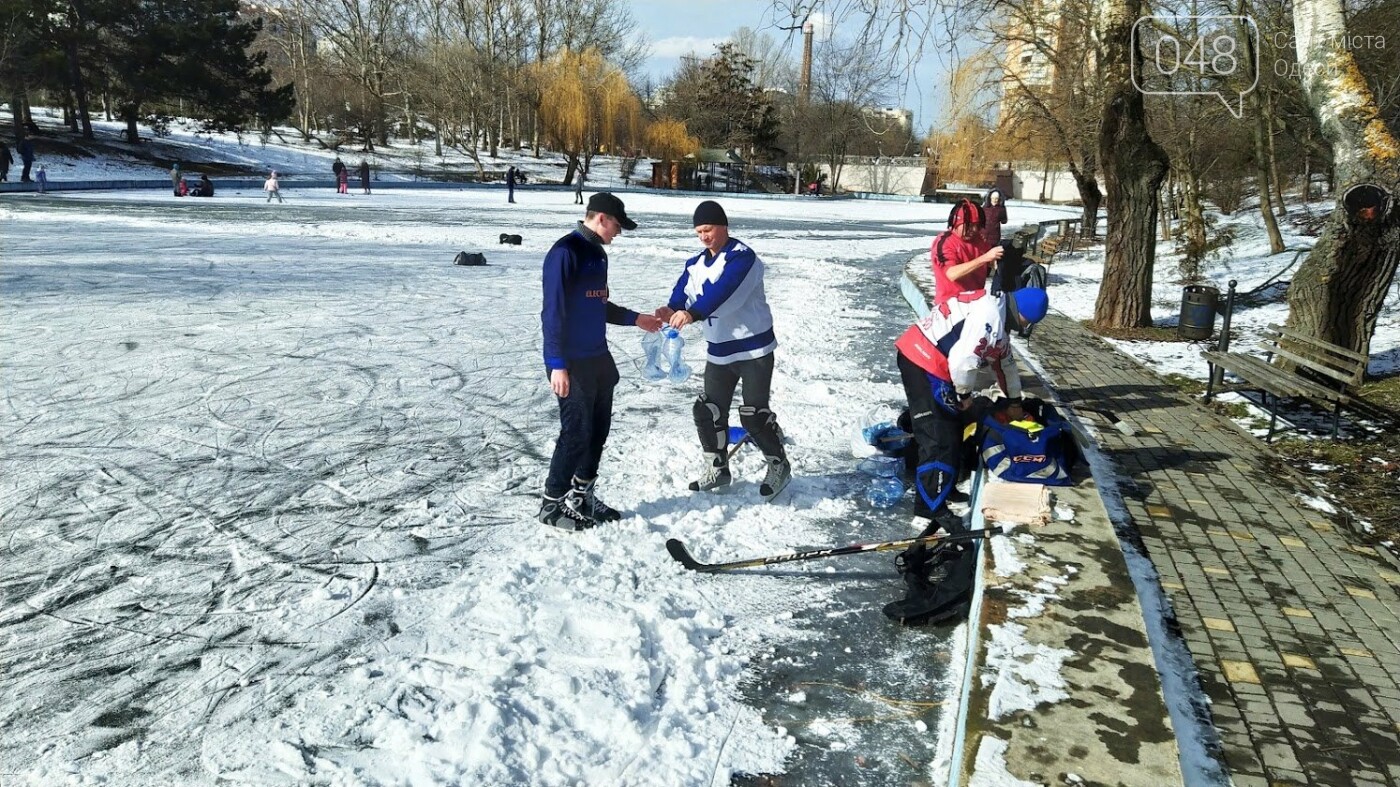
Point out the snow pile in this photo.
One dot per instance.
(990, 768)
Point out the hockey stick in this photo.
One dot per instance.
(683, 556)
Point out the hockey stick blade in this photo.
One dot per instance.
(683, 556)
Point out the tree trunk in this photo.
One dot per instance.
(75, 71)
(1336, 295)
(15, 98)
(133, 136)
(1262, 150)
(1164, 215)
(1091, 197)
(1279, 204)
(1193, 223)
(1133, 166)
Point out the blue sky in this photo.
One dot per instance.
(679, 27)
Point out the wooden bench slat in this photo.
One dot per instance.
(1272, 379)
(1350, 355)
(1340, 376)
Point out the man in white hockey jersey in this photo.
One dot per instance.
(940, 358)
(722, 288)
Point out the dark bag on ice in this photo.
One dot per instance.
(1037, 450)
(938, 584)
(470, 258)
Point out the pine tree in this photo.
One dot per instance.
(190, 56)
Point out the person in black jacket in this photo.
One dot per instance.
(364, 175)
(25, 147)
(6, 159)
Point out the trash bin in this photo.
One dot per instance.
(1197, 312)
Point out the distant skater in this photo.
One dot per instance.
(272, 188)
(43, 177)
(364, 175)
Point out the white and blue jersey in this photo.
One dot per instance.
(725, 291)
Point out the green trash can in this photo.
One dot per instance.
(1197, 311)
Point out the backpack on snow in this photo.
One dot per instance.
(1041, 454)
(469, 258)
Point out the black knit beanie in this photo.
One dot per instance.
(709, 212)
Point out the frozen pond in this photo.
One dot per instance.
(268, 479)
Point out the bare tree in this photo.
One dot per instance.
(1052, 94)
(365, 42)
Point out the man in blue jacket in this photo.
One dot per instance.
(581, 370)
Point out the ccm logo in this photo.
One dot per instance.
(1038, 458)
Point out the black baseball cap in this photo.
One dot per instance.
(607, 202)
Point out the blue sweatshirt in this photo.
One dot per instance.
(576, 306)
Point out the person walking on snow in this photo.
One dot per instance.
(581, 371)
(25, 148)
(961, 257)
(578, 185)
(272, 188)
(364, 175)
(510, 185)
(43, 177)
(722, 287)
(175, 179)
(994, 209)
(6, 159)
(342, 179)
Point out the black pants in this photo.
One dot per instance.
(585, 417)
(938, 435)
(756, 375)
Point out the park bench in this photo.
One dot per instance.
(1044, 251)
(1323, 373)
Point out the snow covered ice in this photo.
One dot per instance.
(270, 475)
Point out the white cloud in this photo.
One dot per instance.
(676, 46)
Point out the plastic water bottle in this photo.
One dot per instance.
(672, 344)
(651, 345)
(884, 491)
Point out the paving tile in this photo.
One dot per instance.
(1295, 654)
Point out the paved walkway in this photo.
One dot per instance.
(1294, 624)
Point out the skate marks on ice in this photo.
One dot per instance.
(212, 494)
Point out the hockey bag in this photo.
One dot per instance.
(1039, 449)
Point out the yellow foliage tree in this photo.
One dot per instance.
(586, 104)
(669, 140)
(963, 154)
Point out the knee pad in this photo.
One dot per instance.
(762, 425)
(934, 481)
(710, 424)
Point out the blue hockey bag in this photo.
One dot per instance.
(1037, 450)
